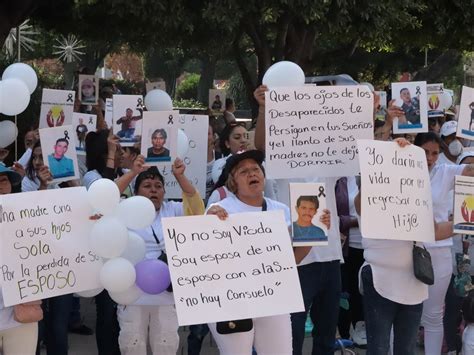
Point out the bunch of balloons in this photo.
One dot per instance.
(18, 82)
(125, 273)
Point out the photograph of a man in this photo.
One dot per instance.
(60, 165)
(411, 106)
(81, 131)
(128, 123)
(303, 228)
(217, 104)
(158, 151)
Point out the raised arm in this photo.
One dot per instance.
(259, 95)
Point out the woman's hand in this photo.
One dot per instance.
(259, 95)
(402, 142)
(218, 211)
(112, 143)
(139, 165)
(95, 217)
(326, 218)
(44, 176)
(17, 167)
(394, 111)
(178, 167)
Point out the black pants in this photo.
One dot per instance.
(107, 326)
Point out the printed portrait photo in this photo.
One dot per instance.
(88, 89)
(59, 153)
(411, 97)
(83, 123)
(127, 118)
(217, 100)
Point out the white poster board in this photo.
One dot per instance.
(217, 100)
(464, 205)
(381, 109)
(466, 114)
(159, 142)
(312, 130)
(44, 248)
(83, 123)
(195, 127)
(56, 108)
(88, 89)
(239, 268)
(412, 98)
(396, 192)
(109, 112)
(127, 119)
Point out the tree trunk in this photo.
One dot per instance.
(206, 81)
(433, 72)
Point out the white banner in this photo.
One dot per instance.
(396, 192)
(312, 130)
(44, 245)
(225, 270)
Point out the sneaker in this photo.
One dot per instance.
(358, 334)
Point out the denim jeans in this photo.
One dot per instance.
(321, 288)
(56, 320)
(197, 333)
(381, 315)
(107, 326)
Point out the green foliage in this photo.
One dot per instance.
(188, 88)
(191, 103)
(236, 91)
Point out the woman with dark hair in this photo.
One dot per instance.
(103, 160)
(442, 188)
(15, 337)
(37, 174)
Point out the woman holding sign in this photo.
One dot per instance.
(442, 188)
(17, 335)
(269, 335)
(152, 318)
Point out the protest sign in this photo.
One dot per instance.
(195, 127)
(88, 89)
(159, 144)
(127, 119)
(464, 205)
(44, 249)
(381, 110)
(395, 192)
(466, 114)
(217, 100)
(312, 130)
(56, 108)
(412, 98)
(109, 112)
(83, 123)
(239, 268)
(307, 204)
(59, 153)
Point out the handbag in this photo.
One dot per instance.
(422, 266)
(29, 312)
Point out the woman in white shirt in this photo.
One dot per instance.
(246, 180)
(153, 317)
(442, 188)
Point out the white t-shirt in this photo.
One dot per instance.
(355, 237)
(6, 315)
(468, 340)
(154, 250)
(333, 251)
(443, 160)
(442, 193)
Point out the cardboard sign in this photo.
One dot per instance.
(59, 154)
(412, 98)
(83, 123)
(466, 114)
(395, 192)
(56, 108)
(308, 201)
(44, 249)
(464, 205)
(88, 89)
(127, 120)
(242, 267)
(312, 130)
(159, 143)
(195, 127)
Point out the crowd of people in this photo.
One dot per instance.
(389, 308)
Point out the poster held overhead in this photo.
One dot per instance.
(88, 89)
(411, 97)
(466, 114)
(464, 205)
(127, 119)
(57, 107)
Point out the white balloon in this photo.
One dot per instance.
(108, 237)
(128, 296)
(117, 275)
(135, 249)
(23, 72)
(284, 73)
(445, 100)
(217, 168)
(8, 133)
(104, 196)
(136, 212)
(158, 100)
(15, 97)
(183, 144)
(90, 293)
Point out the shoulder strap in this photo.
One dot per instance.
(264, 205)
(222, 193)
(154, 236)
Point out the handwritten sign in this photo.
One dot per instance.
(44, 248)
(396, 192)
(195, 127)
(312, 130)
(464, 205)
(239, 268)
